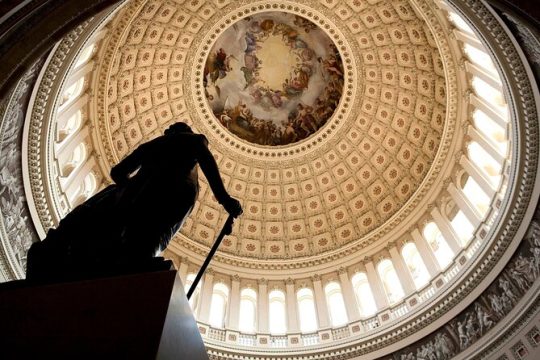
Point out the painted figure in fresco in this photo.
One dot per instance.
(217, 66)
(129, 222)
(289, 134)
(305, 119)
(248, 106)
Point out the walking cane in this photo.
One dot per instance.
(226, 230)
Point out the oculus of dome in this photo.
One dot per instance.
(273, 78)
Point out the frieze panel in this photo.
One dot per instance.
(17, 230)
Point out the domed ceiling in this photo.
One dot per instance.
(326, 118)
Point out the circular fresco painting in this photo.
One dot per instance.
(273, 78)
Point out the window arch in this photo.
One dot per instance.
(480, 58)
(85, 55)
(306, 310)
(438, 244)
(336, 305)
(390, 280)
(78, 156)
(86, 189)
(474, 53)
(415, 264)
(491, 129)
(462, 227)
(276, 313)
(218, 305)
(489, 94)
(364, 295)
(477, 197)
(481, 158)
(248, 310)
(459, 22)
(72, 125)
(73, 92)
(193, 301)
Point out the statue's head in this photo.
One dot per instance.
(177, 128)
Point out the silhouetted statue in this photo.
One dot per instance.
(132, 220)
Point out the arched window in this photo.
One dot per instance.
(248, 310)
(85, 55)
(459, 22)
(415, 264)
(72, 125)
(336, 305)
(90, 184)
(490, 95)
(364, 296)
(195, 296)
(276, 313)
(76, 159)
(485, 162)
(462, 227)
(73, 92)
(479, 58)
(438, 244)
(390, 280)
(218, 305)
(306, 310)
(491, 130)
(85, 190)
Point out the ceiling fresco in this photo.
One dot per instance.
(273, 78)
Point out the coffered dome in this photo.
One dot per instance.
(347, 179)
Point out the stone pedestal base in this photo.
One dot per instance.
(137, 316)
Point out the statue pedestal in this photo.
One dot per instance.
(136, 316)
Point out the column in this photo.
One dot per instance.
(79, 73)
(206, 296)
(446, 230)
(485, 144)
(349, 297)
(426, 253)
(494, 114)
(65, 150)
(320, 302)
(76, 178)
(483, 74)
(465, 205)
(98, 36)
(292, 307)
(262, 307)
(376, 284)
(64, 115)
(469, 39)
(402, 270)
(183, 268)
(478, 176)
(234, 304)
